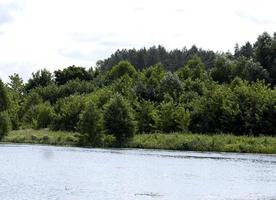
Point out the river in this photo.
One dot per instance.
(35, 172)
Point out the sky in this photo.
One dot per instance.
(54, 34)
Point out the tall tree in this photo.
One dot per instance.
(118, 119)
(265, 53)
(16, 84)
(4, 100)
(4, 103)
(41, 78)
(71, 73)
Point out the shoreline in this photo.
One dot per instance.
(139, 149)
(220, 143)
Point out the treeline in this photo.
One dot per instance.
(178, 91)
(259, 56)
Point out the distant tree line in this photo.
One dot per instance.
(148, 91)
(170, 60)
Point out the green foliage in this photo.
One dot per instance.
(265, 51)
(54, 92)
(4, 101)
(71, 73)
(194, 69)
(28, 112)
(14, 109)
(172, 117)
(148, 87)
(177, 141)
(257, 103)
(45, 114)
(90, 124)
(244, 51)
(222, 70)
(215, 112)
(15, 91)
(212, 93)
(171, 85)
(121, 69)
(146, 117)
(101, 96)
(249, 70)
(198, 142)
(43, 136)
(119, 120)
(41, 78)
(124, 86)
(171, 60)
(16, 84)
(4, 124)
(182, 118)
(36, 113)
(68, 113)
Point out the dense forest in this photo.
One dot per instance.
(151, 91)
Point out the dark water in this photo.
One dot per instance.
(30, 172)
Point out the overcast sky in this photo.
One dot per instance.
(52, 34)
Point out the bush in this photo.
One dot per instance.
(108, 141)
(118, 119)
(91, 124)
(68, 113)
(71, 73)
(41, 78)
(4, 100)
(172, 117)
(171, 85)
(215, 112)
(45, 114)
(4, 124)
(101, 96)
(194, 69)
(28, 110)
(148, 88)
(54, 92)
(122, 68)
(257, 104)
(146, 117)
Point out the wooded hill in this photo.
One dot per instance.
(151, 90)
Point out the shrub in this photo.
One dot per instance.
(4, 124)
(171, 85)
(118, 119)
(67, 113)
(215, 112)
(146, 117)
(45, 114)
(71, 73)
(29, 113)
(122, 68)
(4, 100)
(90, 124)
(172, 117)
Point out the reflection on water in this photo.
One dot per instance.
(61, 173)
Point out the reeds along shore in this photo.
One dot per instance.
(173, 141)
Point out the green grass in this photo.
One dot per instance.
(43, 136)
(173, 141)
(200, 142)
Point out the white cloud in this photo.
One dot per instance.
(59, 33)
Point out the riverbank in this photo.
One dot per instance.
(43, 136)
(175, 141)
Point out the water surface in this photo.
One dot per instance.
(33, 172)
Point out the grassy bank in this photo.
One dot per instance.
(199, 142)
(176, 141)
(43, 136)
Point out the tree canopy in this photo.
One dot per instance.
(151, 90)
